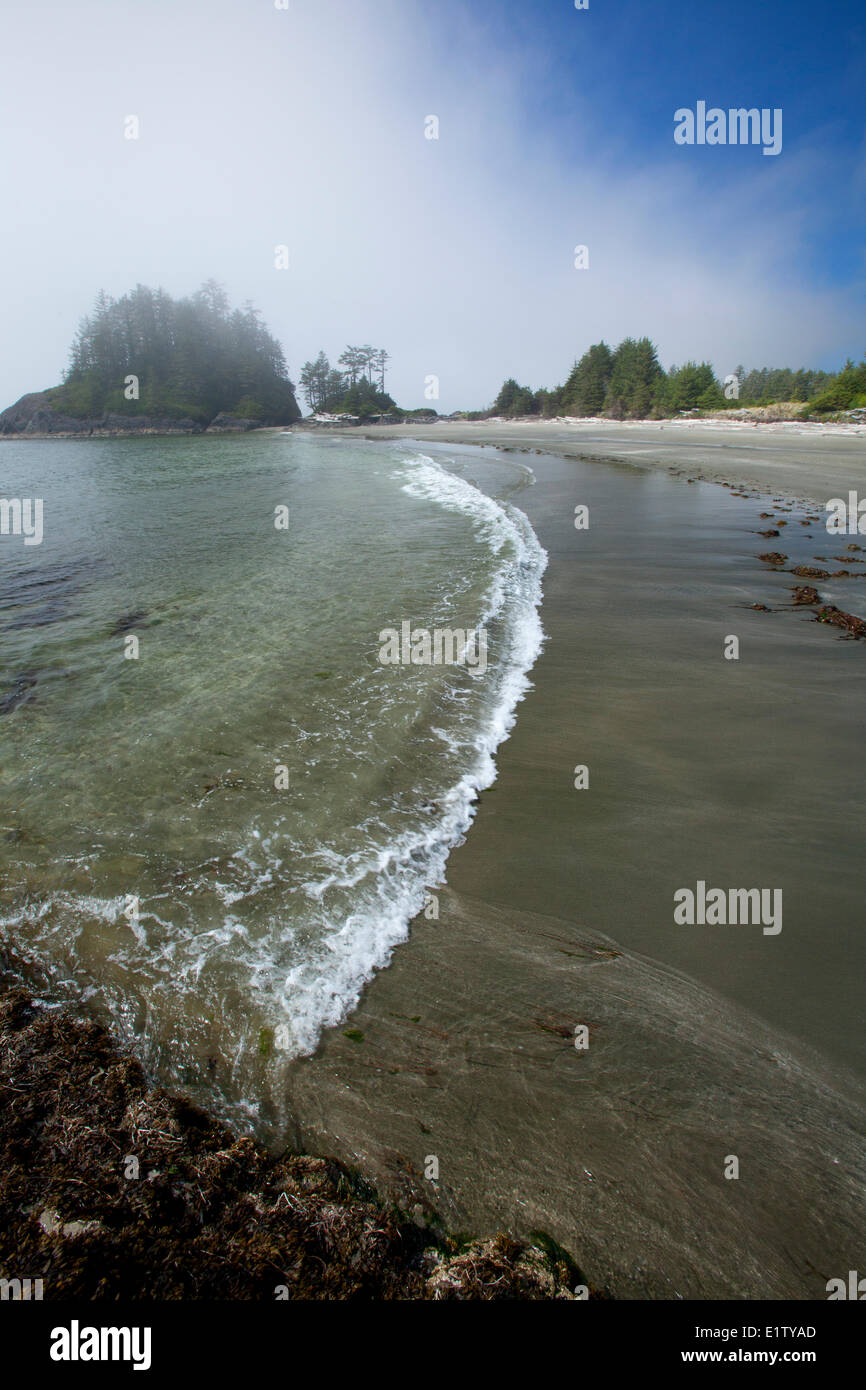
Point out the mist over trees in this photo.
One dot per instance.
(189, 358)
(149, 355)
(359, 389)
(628, 382)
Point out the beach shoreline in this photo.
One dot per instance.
(464, 1047)
(805, 461)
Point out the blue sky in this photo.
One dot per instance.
(635, 62)
(612, 76)
(305, 127)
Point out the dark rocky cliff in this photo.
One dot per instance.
(34, 417)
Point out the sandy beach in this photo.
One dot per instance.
(704, 1042)
(810, 461)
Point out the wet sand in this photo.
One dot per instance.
(704, 1042)
(800, 460)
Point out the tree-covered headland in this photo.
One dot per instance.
(150, 355)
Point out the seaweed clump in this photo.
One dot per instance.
(113, 1189)
(853, 626)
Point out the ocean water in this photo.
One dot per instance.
(218, 842)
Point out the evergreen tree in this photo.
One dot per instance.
(507, 395)
(336, 386)
(515, 400)
(585, 391)
(846, 392)
(634, 373)
(364, 400)
(352, 363)
(361, 383)
(692, 387)
(382, 360)
(315, 379)
(767, 385)
(368, 361)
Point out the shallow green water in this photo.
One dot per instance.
(220, 839)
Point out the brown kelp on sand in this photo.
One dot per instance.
(112, 1189)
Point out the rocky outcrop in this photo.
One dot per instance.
(16, 418)
(34, 417)
(231, 424)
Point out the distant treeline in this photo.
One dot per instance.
(628, 382)
(149, 354)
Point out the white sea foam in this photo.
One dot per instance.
(393, 879)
